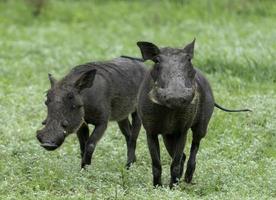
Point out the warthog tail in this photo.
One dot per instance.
(228, 110)
(133, 58)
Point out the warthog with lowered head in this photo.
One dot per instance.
(93, 93)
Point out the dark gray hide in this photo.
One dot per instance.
(94, 93)
(173, 98)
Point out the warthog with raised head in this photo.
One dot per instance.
(174, 97)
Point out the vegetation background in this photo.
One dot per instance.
(235, 48)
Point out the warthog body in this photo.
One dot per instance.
(173, 98)
(94, 93)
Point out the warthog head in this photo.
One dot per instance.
(173, 74)
(65, 109)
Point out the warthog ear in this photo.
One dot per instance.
(52, 80)
(148, 50)
(85, 80)
(189, 48)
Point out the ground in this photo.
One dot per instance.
(235, 48)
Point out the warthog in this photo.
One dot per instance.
(94, 93)
(173, 98)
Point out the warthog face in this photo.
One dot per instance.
(173, 74)
(65, 111)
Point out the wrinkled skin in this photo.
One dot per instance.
(93, 93)
(173, 98)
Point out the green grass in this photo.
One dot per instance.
(235, 48)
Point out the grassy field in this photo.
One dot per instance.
(235, 48)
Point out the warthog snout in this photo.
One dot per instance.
(172, 98)
(47, 141)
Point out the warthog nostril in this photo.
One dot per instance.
(176, 102)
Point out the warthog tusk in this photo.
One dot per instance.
(153, 98)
